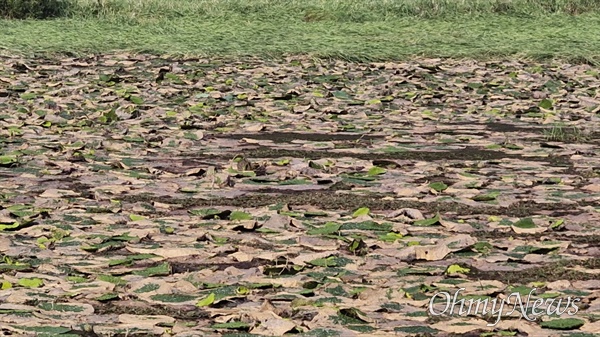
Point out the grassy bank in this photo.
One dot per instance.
(366, 29)
(336, 10)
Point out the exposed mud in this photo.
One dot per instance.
(549, 272)
(338, 201)
(288, 137)
(133, 307)
(464, 155)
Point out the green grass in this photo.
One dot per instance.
(562, 133)
(351, 29)
(337, 10)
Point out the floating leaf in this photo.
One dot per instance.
(46, 330)
(113, 244)
(358, 247)
(525, 223)
(77, 279)
(331, 261)
(147, 288)
(456, 269)
(5, 285)
(512, 146)
(341, 95)
(309, 214)
(107, 297)
(62, 307)
(104, 77)
(210, 213)
(31, 282)
(231, 325)
(28, 95)
(295, 182)
(112, 279)
(14, 226)
(208, 300)
(546, 104)
(376, 170)
(172, 298)
(563, 324)
(428, 222)
(238, 215)
(482, 247)
(136, 100)
(242, 290)
(367, 226)
(557, 223)
(390, 237)
(486, 197)
(8, 160)
(438, 186)
(328, 228)
(360, 212)
(160, 270)
(135, 217)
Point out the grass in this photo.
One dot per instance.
(349, 29)
(338, 10)
(561, 133)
